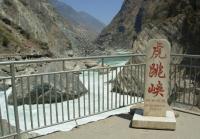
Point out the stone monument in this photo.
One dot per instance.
(156, 113)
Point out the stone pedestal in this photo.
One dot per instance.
(149, 122)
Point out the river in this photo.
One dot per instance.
(107, 100)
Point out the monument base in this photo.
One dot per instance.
(149, 122)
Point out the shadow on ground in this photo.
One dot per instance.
(128, 117)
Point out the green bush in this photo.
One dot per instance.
(5, 42)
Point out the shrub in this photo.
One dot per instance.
(5, 42)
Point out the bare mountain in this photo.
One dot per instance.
(140, 20)
(34, 27)
(82, 19)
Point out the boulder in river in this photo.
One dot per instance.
(90, 63)
(48, 88)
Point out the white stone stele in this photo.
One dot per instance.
(156, 115)
(156, 105)
(149, 122)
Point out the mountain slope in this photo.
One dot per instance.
(78, 18)
(177, 21)
(120, 32)
(140, 20)
(31, 27)
(91, 22)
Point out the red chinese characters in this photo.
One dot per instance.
(156, 89)
(156, 70)
(157, 51)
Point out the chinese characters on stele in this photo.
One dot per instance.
(156, 70)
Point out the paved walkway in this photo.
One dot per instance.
(118, 127)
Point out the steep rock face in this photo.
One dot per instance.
(176, 21)
(138, 16)
(33, 21)
(35, 27)
(120, 32)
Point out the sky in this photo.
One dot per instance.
(104, 10)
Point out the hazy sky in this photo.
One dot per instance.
(104, 10)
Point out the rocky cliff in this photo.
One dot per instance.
(177, 21)
(119, 33)
(140, 20)
(34, 27)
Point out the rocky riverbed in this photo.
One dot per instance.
(47, 88)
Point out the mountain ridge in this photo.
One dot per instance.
(78, 17)
(137, 18)
(36, 28)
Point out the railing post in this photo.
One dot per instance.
(12, 70)
(63, 65)
(102, 62)
(131, 59)
(190, 78)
